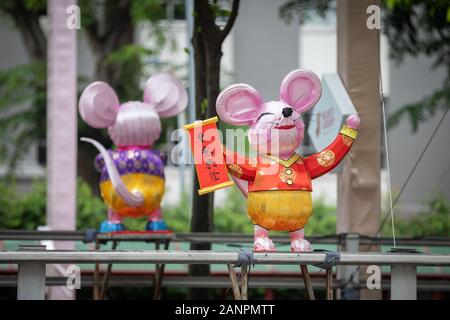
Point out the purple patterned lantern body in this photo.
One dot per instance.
(140, 169)
(133, 160)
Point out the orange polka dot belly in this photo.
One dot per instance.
(280, 209)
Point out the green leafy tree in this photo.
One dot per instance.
(304, 9)
(413, 27)
(20, 127)
(207, 42)
(416, 27)
(432, 221)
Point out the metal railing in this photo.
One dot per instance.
(213, 257)
(90, 235)
(32, 263)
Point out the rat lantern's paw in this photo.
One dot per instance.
(353, 121)
(263, 244)
(300, 245)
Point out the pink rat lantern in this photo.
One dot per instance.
(132, 174)
(278, 182)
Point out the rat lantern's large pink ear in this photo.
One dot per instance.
(301, 89)
(166, 94)
(238, 104)
(99, 105)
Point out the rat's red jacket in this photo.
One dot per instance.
(268, 172)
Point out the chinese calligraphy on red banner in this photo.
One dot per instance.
(208, 155)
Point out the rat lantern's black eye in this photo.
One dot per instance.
(287, 112)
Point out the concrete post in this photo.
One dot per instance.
(62, 123)
(359, 201)
(403, 282)
(31, 277)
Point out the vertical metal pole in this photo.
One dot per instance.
(158, 285)
(159, 272)
(189, 9)
(181, 121)
(403, 282)
(108, 272)
(96, 289)
(181, 118)
(31, 277)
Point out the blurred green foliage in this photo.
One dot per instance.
(433, 220)
(414, 28)
(24, 86)
(420, 111)
(26, 210)
(304, 10)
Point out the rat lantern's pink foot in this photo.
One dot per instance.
(298, 243)
(353, 121)
(262, 241)
(263, 244)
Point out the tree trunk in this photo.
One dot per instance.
(207, 42)
(213, 58)
(118, 32)
(202, 206)
(27, 22)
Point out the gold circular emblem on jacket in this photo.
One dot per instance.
(287, 176)
(326, 158)
(237, 170)
(347, 140)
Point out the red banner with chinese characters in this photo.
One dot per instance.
(208, 155)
